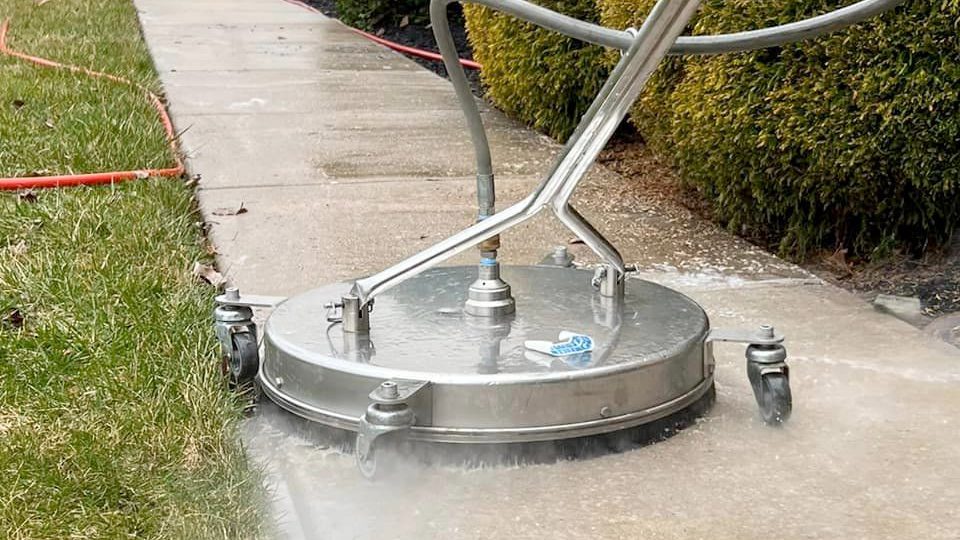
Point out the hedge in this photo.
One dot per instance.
(374, 14)
(851, 140)
(538, 76)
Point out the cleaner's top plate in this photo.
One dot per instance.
(419, 326)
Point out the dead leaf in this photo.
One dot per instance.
(838, 263)
(380, 32)
(13, 319)
(209, 274)
(27, 196)
(230, 211)
(49, 123)
(405, 21)
(42, 2)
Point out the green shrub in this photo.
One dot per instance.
(374, 14)
(536, 75)
(851, 140)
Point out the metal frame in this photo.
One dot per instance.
(665, 23)
(643, 50)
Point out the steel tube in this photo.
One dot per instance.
(664, 24)
(582, 228)
(721, 43)
(785, 33)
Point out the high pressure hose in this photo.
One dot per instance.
(95, 178)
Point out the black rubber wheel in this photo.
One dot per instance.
(775, 399)
(367, 465)
(383, 458)
(244, 362)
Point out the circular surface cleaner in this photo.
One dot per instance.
(486, 380)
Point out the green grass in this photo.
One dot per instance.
(57, 122)
(114, 422)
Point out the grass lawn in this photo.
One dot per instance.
(114, 421)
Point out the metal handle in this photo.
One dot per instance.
(659, 31)
(659, 35)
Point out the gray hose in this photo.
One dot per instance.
(785, 33)
(441, 30)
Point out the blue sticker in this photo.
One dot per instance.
(575, 345)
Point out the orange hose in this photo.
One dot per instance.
(420, 53)
(93, 178)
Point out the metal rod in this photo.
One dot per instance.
(785, 33)
(662, 27)
(582, 228)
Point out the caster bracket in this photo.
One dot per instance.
(388, 413)
(232, 297)
(765, 335)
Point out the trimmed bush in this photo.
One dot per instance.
(851, 140)
(536, 75)
(373, 14)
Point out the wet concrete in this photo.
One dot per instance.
(348, 157)
(870, 452)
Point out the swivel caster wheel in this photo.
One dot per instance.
(775, 400)
(243, 362)
(771, 387)
(381, 458)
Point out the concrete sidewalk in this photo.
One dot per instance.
(349, 157)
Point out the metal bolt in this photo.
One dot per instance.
(605, 412)
(766, 331)
(389, 390)
(232, 294)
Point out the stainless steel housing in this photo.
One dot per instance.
(482, 385)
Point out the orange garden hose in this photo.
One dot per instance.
(94, 178)
(419, 53)
(470, 64)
